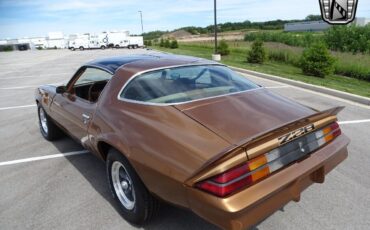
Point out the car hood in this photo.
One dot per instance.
(241, 116)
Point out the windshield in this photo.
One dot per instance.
(183, 84)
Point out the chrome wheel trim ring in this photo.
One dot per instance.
(43, 120)
(122, 185)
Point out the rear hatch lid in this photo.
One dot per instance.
(239, 117)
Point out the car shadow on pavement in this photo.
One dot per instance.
(93, 169)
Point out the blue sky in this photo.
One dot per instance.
(20, 18)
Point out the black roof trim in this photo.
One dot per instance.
(111, 64)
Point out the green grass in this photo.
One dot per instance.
(237, 58)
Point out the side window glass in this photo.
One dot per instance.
(91, 75)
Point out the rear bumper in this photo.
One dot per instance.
(257, 202)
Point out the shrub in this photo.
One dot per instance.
(167, 43)
(161, 43)
(223, 48)
(317, 61)
(258, 53)
(348, 38)
(174, 44)
(7, 48)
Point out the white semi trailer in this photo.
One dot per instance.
(124, 40)
(106, 40)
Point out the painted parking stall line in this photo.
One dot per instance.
(17, 107)
(37, 76)
(47, 157)
(354, 122)
(29, 86)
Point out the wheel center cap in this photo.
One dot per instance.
(124, 185)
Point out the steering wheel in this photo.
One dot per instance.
(93, 96)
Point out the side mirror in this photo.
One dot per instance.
(61, 89)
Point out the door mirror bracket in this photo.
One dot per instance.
(61, 89)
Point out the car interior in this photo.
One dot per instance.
(90, 91)
(175, 86)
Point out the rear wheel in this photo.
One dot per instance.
(137, 205)
(102, 47)
(73, 49)
(117, 46)
(81, 48)
(47, 127)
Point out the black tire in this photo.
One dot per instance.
(145, 205)
(129, 47)
(102, 47)
(81, 48)
(117, 46)
(53, 132)
(73, 49)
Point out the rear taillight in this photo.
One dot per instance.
(262, 166)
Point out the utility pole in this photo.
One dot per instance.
(215, 15)
(141, 19)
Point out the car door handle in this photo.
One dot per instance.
(85, 118)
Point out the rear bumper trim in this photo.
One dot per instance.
(248, 207)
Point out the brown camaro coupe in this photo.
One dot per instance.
(193, 133)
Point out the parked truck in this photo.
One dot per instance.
(88, 41)
(106, 40)
(124, 40)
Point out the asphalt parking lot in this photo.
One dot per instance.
(72, 193)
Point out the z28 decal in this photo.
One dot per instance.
(295, 134)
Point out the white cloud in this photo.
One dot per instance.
(26, 17)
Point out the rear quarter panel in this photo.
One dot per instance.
(164, 146)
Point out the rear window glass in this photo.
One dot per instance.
(183, 84)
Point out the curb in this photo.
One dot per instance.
(321, 89)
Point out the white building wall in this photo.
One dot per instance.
(306, 26)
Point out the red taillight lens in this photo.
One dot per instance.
(262, 166)
(231, 174)
(223, 190)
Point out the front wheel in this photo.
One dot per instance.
(47, 127)
(137, 205)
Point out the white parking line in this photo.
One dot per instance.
(17, 107)
(36, 76)
(28, 86)
(354, 122)
(13, 162)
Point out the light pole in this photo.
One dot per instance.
(141, 19)
(215, 16)
(215, 56)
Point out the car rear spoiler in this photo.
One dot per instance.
(260, 143)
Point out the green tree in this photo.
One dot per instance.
(167, 43)
(312, 17)
(258, 53)
(223, 48)
(174, 44)
(161, 42)
(317, 61)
